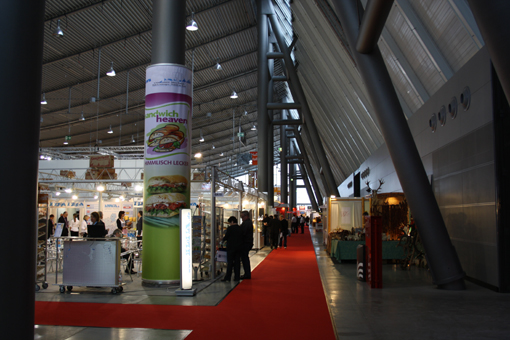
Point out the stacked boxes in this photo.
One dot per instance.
(101, 167)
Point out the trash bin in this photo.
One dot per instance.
(360, 260)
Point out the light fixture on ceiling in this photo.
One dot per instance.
(133, 139)
(41, 157)
(68, 190)
(208, 114)
(254, 128)
(245, 112)
(218, 66)
(121, 197)
(66, 142)
(201, 136)
(138, 187)
(110, 131)
(117, 200)
(82, 116)
(192, 24)
(234, 95)
(221, 154)
(213, 147)
(75, 197)
(58, 31)
(111, 72)
(57, 193)
(48, 158)
(100, 187)
(43, 100)
(96, 196)
(198, 155)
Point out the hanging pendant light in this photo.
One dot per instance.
(254, 128)
(201, 136)
(218, 66)
(110, 131)
(234, 95)
(66, 142)
(133, 139)
(43, 100)
(192, 24)
(111, 72)
(82, 116)
(198, 155)
(58, 31)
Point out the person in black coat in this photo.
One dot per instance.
(247, 230)
(234, 238)
(97, 228)
(274, 231)
(265, 229)
(65, 225)
(284, 229)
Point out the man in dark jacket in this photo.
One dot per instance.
(247, 230)
(275, 231)
(97, 228)
(284, 229)
(65, 224)
(265, 229)
(234, 237)
(139, 225)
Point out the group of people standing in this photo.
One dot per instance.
(276, 229)
(239, 240)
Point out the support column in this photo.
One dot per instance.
(492, 20)
(22, 30)
(283, 161)
(270, 135)
(308, 166)
(442, 257)
(292, 181)
(214, 226)
(262, 93)
(161, 246)
(299, 95)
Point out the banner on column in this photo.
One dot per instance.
(167, 167)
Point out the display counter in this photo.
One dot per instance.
(346, 250)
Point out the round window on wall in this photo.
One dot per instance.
(452, 108)
(465, 98)
(441, 115)
(433, 123)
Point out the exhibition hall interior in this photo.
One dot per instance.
(256, 169)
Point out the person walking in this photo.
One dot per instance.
(83, 226)
(294, 223)
(274, 232)
(75, 225)
(302, 224)
(284, 230)
(247, 230)
(234, 238)
(139, 225)
(265, 229)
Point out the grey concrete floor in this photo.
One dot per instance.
(408, 306)
(87, 333)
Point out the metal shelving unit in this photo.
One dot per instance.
(42, 236)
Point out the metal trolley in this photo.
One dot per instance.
(89, 262)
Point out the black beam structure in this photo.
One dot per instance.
(283, 106)
(285, 122)
(302, 170)
(308, 166)
(270, 112)
(299, 95)
(292, 182)
(372, 24)
(441, 255)
(169, 32)
(492, 20)
(283, 163)
(262, 92)
(22, 27)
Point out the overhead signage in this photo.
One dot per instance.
(219, 194)
(67, 204)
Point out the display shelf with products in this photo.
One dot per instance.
(42, 236)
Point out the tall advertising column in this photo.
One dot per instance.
(168, 91)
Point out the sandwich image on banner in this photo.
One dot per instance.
(167, 184)
(164, 205)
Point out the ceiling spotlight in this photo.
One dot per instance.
(100, 187)
(245, 112)
(111, 72)
(254, 128)
(218, 66)
(110, 131)
(43, 100)
(234, 95)
(198, 155)
(66, 142)
(75, 197)
(96, 197)
(138, 188)
(201, 136)
(58, 31)
(57, 193)
(213, 147)
(48, 158)
(121, 197)
(68, 190)
(133, 139)
(82, 116)
(192, 24)
(209, 114)
(221, 154)
(41, 157)
(117, 200)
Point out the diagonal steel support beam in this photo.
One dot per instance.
(372, 24)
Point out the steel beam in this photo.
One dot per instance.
(22, 27)
(283, 161)
(298, 93)
(308, 165)
(442, 257)
(492, 19)
(372, 24)
(275, 55)
(168, 32)
(302, 170)
(271, 141)
(262, 93)
(285, 122)
(283, 106)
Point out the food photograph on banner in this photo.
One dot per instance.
(167, 164)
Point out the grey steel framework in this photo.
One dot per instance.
(441, 255)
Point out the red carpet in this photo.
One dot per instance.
(285, 300)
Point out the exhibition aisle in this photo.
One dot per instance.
(284, 299)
